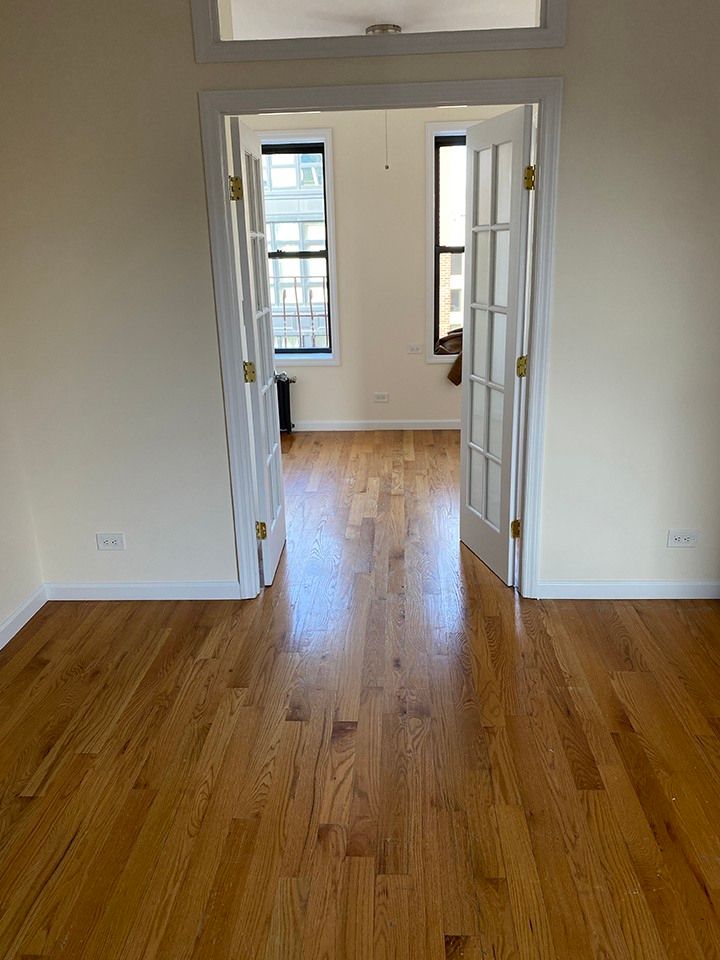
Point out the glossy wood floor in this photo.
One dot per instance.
(387, 755)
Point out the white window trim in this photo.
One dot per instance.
(209, 48)
(323, 135)
(433, 130)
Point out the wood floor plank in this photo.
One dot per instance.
(673, 918)
(530, 919)
(357, 909)
(214, 935)
(251, 923)
(387, 754)
(285, 940)
(571, 936)
(636, 920)
(392, 920)
(684, 909)
(169, 875)
(680, 768)
(323, 925)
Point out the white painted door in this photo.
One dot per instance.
(498, 151)
(246, 162)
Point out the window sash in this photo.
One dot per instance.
(297, 149)
(440, 141)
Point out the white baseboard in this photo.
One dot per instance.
(147, 590)
(627, 590)
(17, 620)
(333, 425)
(159, 590)
(230, 590)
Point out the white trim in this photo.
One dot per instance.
(232, 353)
(539, 298)
(209, 48)
(283, 360)
(380, 96)
(304, 426)
(627, 590)
(216, 105)
(323, 135)
(147, 590)
(14, 623)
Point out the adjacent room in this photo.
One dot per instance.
(359, 541)
(355, 261)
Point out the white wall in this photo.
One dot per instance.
(381, 246)
(107, 306)
(20, 574)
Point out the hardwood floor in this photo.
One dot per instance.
(387, 755)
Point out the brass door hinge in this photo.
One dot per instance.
(515, 527)
(521, 366)
(236, 188)
(249, 371)
(529, 177)
(260, 530)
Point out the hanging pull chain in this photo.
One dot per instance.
(387, 151)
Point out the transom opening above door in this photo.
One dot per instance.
(283, 29)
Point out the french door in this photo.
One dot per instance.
(245, 163)
(498, 152)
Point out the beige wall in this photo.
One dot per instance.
(20, 574)
(381, 218)
(107, 308)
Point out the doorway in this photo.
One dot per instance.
(520, 419)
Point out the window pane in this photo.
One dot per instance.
(284, 236)
(495, 424)
(502, 267)
(285, 232)
(310, 176)
(451, 195)
(299, 299)
(476, 485)
(480, 343)
(482, 268)
(504, 178)
(450, 292)
(311, 170)
(259, 273)
(497, 363)
(282, 178)
(295, 214)
(249, 20)
(492, 510)
(313, 236)
(483, 187)
(477, 425)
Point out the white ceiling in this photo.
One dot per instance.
(277, 19)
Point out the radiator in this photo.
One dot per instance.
(283, 382)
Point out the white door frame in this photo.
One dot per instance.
(215, 105)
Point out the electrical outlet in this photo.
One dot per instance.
(683, 538)
(381, 398)
(414, 348)
(110, 541)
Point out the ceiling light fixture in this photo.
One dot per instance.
(377, 28)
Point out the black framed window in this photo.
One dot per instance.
(449, 239)
(294, 190)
